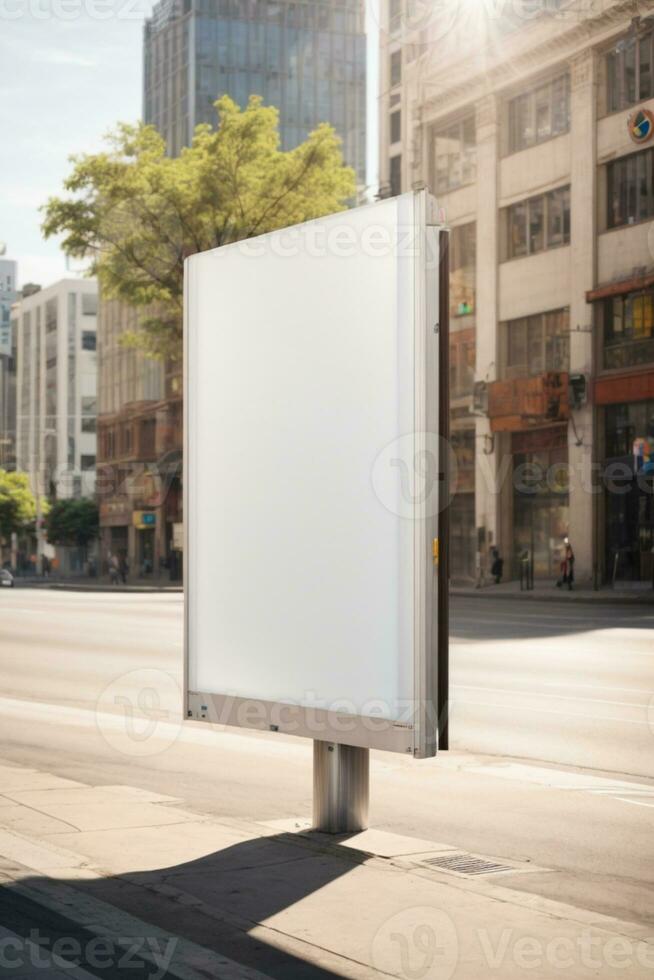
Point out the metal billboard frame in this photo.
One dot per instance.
(429, 729)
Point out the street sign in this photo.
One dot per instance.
(143, 519)
(315, 479)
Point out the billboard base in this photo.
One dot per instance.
(341, 788)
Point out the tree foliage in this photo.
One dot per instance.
(73, 522)
(17, 503)
(137, 213)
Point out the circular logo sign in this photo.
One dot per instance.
(417, 944)
(641, 125)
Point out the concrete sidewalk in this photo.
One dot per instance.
(627, 593)
(199, 897)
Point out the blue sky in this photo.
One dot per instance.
(70, 70)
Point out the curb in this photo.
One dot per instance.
(612, 598)
(78, 587)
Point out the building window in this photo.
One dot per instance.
(462, 364)
(463, 264)
(87, 463)
(455, 156)
(537, 344)
(396, 175)
(627, 423)
(463, 445)
(629, 330)
(89, 304)
(88, 340)
(396, 68)
(89, 411)
(127, 439)
(147, 436)
(395, 15)
(629, 72)
(537, 224)
(396, 126)
(630, 189)
(540, 114)
(109, 444)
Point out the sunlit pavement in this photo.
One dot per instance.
(539, 691)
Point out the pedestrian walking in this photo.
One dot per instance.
(567, 576)
(497, 568)
(114, 571)
(124, 569)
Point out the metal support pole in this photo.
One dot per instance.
(341, 788)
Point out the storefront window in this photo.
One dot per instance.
(629, 501)
(629, 330)
(540, 501)
(463, 542)
(625, 424)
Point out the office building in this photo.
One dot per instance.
(306, 58)
(309, 60)
(56, 387)
(536, 134)
(8, 277)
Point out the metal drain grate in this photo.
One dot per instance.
(466, 864)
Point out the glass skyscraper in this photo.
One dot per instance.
(306, 58)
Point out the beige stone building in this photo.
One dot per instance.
(532, 124)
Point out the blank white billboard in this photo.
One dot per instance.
(311, 485)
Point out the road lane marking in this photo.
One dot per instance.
(561, 779)
(603, 687)
(556, 697)
(633, 802)
(548, 711)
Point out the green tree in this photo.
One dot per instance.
(137, 213)
(73, 522)
(17, 503)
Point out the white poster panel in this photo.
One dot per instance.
(311, 489)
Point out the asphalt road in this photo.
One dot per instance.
(552, 732)
(560, 683)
